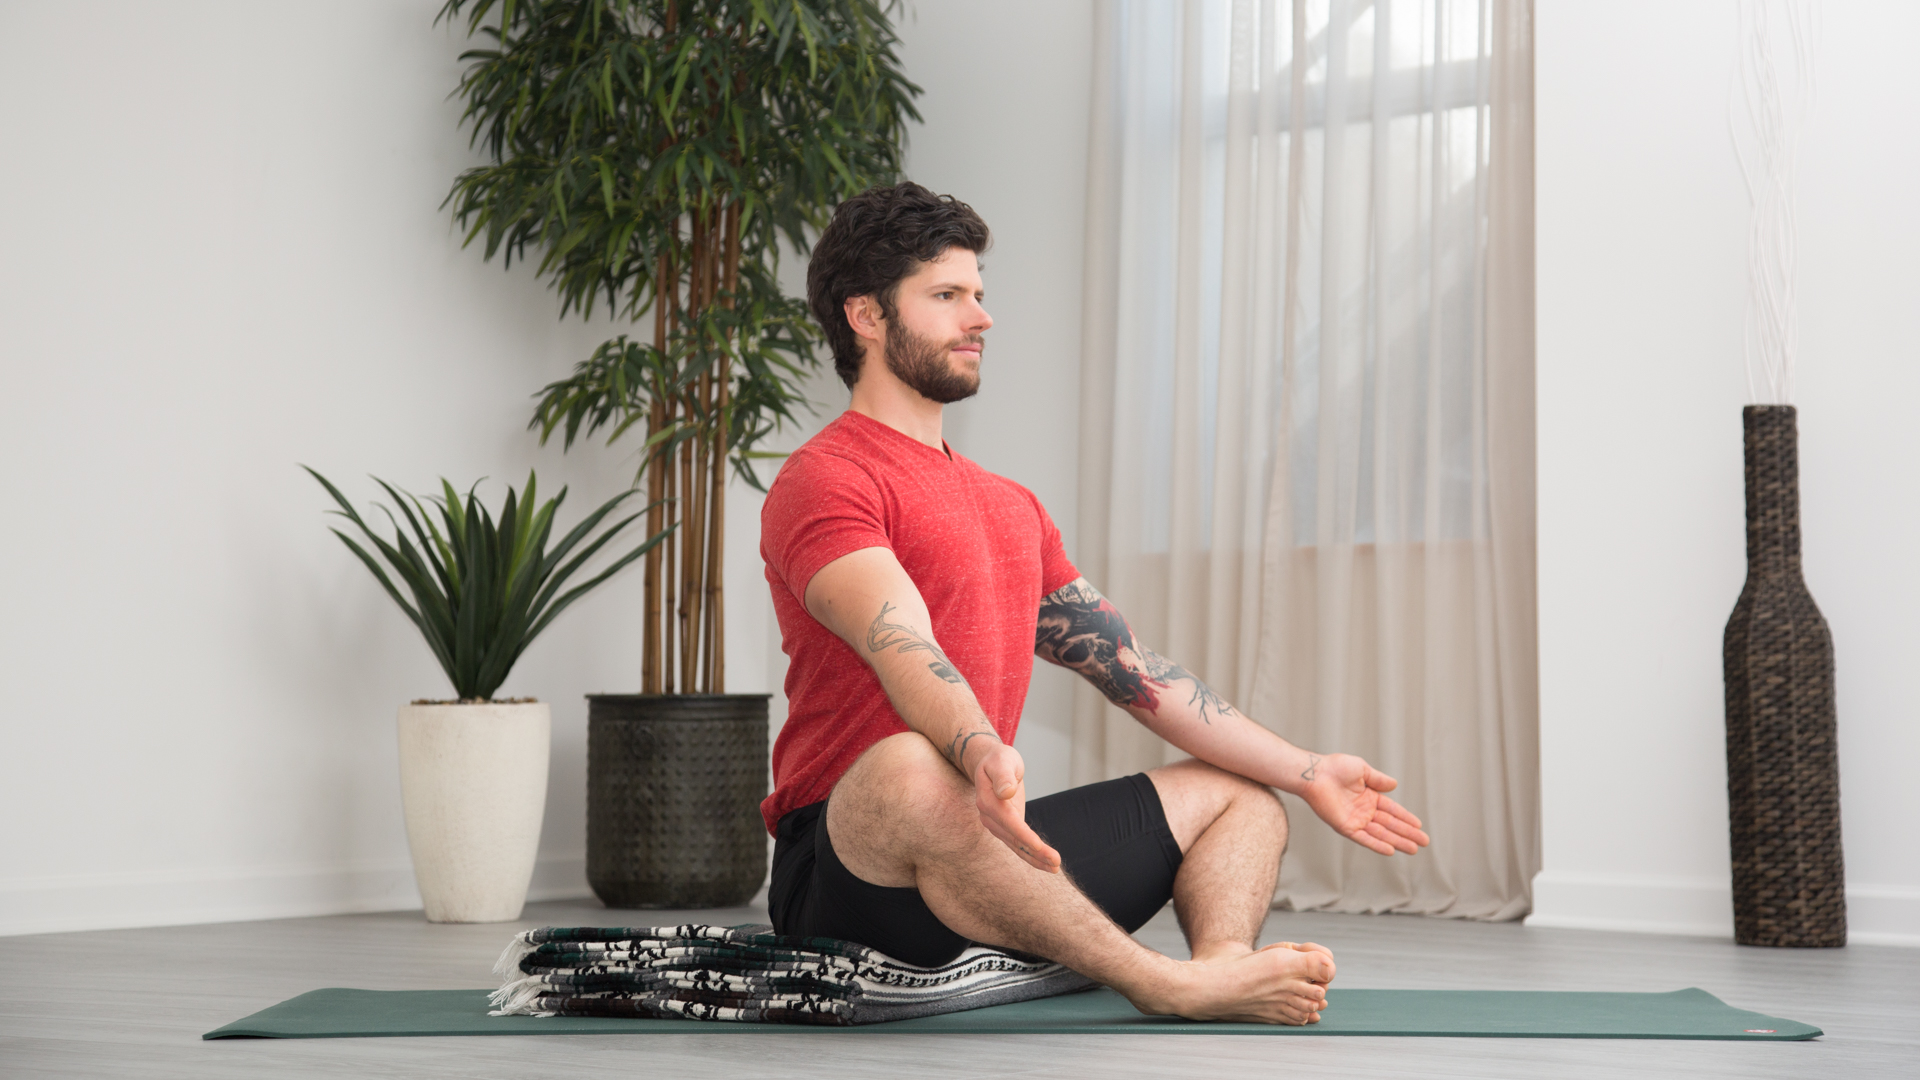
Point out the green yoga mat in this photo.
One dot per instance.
(1682, 1014)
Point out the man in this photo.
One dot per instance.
(912, 589)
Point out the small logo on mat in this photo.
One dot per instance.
(1762, 1031)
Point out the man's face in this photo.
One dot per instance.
(933, 343)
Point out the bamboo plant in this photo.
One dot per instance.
(655, 154)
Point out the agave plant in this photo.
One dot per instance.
(482, 588)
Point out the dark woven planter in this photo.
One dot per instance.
(674, 783)
(1783, 770)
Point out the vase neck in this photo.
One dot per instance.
(1773, 490)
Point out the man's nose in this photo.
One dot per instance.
(981, 321)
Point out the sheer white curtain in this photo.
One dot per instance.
(1307, 426)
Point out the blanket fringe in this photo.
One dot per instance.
(508, 966)
(517, 998)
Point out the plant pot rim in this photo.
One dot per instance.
(674, 697)
(501, 703)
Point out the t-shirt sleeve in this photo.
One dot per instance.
(819, 508)
(1056, 570)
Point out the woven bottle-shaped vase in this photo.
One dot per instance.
(1783, 769)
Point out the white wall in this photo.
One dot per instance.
(1642, 221)
(225, 255)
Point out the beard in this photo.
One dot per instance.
(922, 364)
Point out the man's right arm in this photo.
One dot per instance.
(866, 598)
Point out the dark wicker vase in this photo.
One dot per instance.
(674, 783)
(1783, 770)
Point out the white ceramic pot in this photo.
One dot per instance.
(473, 780)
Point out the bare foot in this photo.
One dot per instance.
(1284, 983)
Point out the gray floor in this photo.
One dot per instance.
(133, 1003)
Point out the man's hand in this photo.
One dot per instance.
(1000, 791)
(1350, 795)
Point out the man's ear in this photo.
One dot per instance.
(863, 315)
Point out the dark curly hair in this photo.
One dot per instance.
(875, 240)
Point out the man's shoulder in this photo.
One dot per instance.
(833, 453)
(830, 475)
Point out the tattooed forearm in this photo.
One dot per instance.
(1313, 762)
(1204, 697)
(1080, 629)
(956, 750)
(883, 635)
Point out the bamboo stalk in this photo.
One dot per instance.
(683, 610)
(702, 508)
(690, 486)
(669, 549)
(675, 540)
(710, 293)
(717, 532)
(650, 643)
(702, 611)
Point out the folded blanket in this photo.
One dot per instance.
(753, 975)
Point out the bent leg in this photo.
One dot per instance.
(901, 816)
(1231, 832)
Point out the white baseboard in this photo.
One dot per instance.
(1876, 914)
(1883, 915)
(115, 901)
(1646, 905)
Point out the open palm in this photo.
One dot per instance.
(1350, 795)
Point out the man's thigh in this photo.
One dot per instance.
(902, 804)
(845, 868)
(813, 894)
(1113, 838)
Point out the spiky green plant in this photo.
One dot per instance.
(656, 154)
(482, 589)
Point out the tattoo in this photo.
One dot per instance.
(957, 746)
(1313, 762)
(1082, 630)
(1204, 696)
(883, 635)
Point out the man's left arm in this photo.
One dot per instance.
(1082, 630)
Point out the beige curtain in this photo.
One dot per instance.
(1307, 420)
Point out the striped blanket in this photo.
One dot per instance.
(752, 975)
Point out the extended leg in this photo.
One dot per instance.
(903, 817)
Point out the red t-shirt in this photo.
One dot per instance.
(980, 548)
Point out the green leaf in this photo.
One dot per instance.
(499, 586)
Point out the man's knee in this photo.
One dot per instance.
(1268, 801)
(903, 772)
(900, 792)
(1256, 798)
(1195, 794)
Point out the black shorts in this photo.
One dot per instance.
(1113, 840)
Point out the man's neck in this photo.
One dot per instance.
(893, 403)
